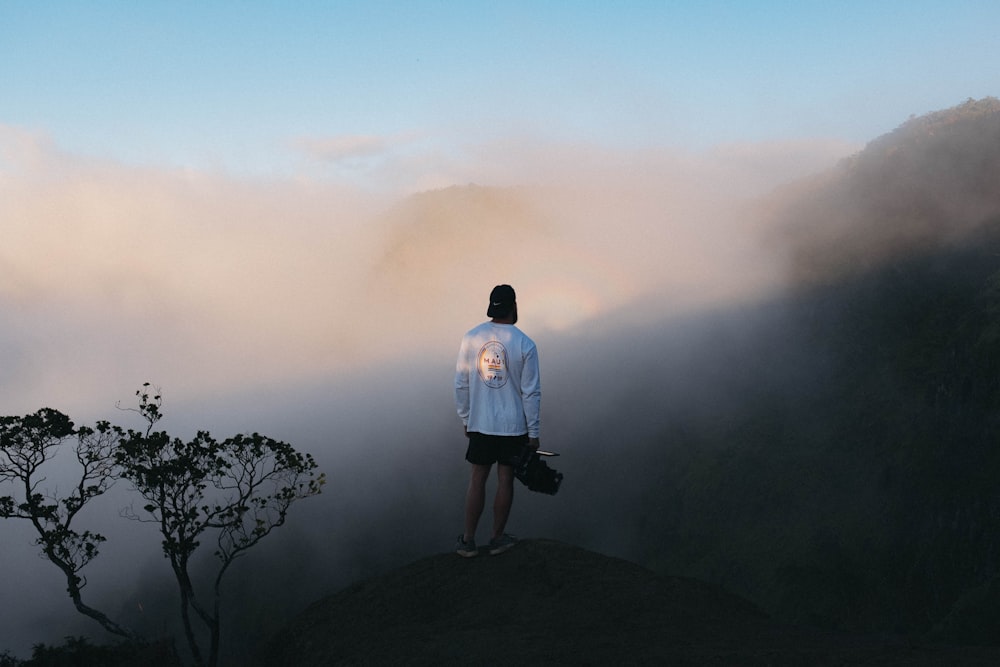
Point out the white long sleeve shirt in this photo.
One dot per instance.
(497, 386)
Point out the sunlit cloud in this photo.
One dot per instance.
(114, 273)
(341, 148)
(111, 275)
(23, 149)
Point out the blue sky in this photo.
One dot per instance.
(245, 86)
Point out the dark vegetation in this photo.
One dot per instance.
(235, 492)
(848, 478)
(80, 652)
(865, 498)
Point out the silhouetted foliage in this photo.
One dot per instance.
(852, 482)
(79, 652)
(237, 491)
(26, 444)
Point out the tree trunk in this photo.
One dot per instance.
(106, 623)
(187, 593)
(75, 593)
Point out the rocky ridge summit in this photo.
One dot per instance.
(550, 603)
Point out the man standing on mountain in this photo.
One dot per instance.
(498, 395)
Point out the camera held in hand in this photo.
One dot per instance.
(535, 473)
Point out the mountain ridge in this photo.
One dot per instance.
(921, 187)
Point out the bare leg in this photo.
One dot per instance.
(504, 498)
(475, 499)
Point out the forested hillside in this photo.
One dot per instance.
(844, 470)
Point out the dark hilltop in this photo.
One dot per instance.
(550, 603)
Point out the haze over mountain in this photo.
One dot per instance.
(828, 453)
(806, 421)
(847, 481)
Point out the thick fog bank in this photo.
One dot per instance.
(794, 400)
(612, 402)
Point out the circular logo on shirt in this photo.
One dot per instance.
(493, 364)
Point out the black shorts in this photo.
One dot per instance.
(489, 449)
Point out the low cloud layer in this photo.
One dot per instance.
(247, 296)
(110, 275)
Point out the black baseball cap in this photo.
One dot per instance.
(501, 301)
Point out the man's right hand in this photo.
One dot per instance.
(533, 443)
